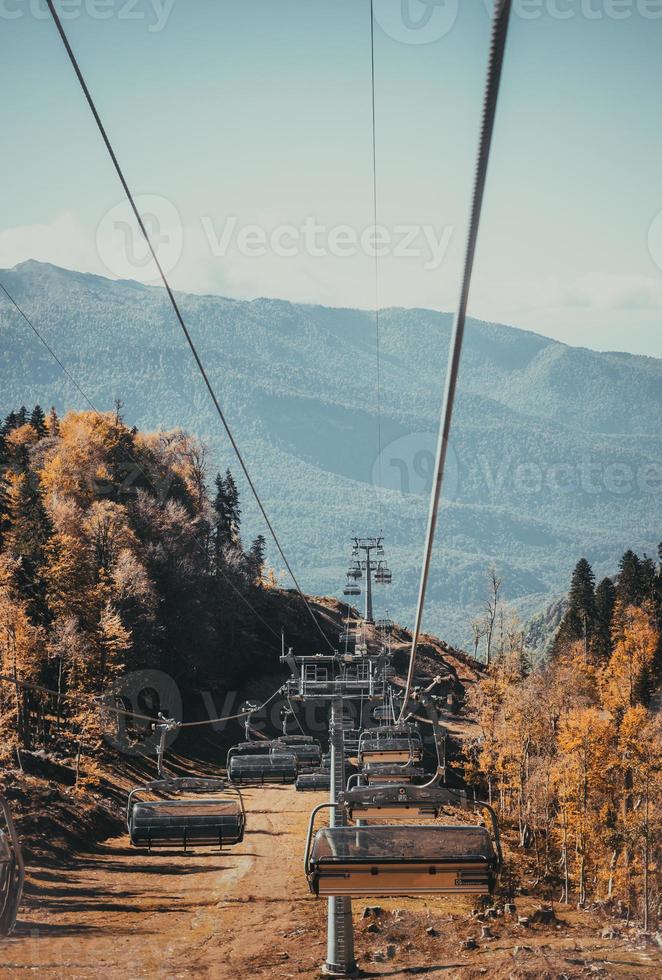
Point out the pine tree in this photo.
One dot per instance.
(578, 622)
(255, 558)
(10, 423)
(605, 600)
(38, 421)
(228, 513)
(21, 416)
(630, 586)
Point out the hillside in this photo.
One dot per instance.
(555, 449)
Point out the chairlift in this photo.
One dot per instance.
(354, 572)
(256, 770)
(383, 575)
(314, 781)
(308, 755)
(390, 744)
(201, 821)
(399, 860)
(378, 773)
(351, 588)
(12, 870)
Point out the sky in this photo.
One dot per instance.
(244, 129)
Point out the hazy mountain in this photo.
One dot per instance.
(555, 451)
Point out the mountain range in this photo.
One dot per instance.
(555, 450)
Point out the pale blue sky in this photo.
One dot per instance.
(260, 112)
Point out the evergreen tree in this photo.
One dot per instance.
(10, 423)
(629, 588)
(38, 421)
(21, 416)
(578, 622)
(228, 514)
(605, 600)
(255, 558)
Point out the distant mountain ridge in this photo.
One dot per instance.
(555, 449)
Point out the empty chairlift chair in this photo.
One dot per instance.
(389, 744)
(197, 820)
(12, 870)
(379, 773)
(314, 782)
(256, 770)
(400, 860)
(305, 749)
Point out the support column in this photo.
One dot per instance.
(340, 960)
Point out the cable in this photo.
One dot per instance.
(374, 201)
(49, 349)
(130, 456)
(499, 34)
(177, 311)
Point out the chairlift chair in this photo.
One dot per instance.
(399, 860)
(197, 820)
(12, 870)
(354, 572)
(383, 575)
(378, 773)
(390, 744)
(256, 770)
(319, 781)
(351, 588)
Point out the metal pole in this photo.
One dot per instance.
(368, 587)
(340, 960)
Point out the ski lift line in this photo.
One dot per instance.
(50, 350)
(500, 21)
(177, 311)
(130, 456)
(377, 303)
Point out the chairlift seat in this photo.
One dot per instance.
(398, 802)
(377, 773)
(389, 750)
(313, 782)
(401, 860)
(277, 767)
(174, 822)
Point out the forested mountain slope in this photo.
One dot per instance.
(555, 450)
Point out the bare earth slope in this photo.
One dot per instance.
(247, 913)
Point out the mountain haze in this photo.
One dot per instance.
(555, 450)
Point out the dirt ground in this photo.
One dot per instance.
(247, 912)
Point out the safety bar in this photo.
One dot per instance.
(309, 835)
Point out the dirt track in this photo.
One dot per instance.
(247, 912)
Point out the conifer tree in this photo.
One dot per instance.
(578, 622)
(629, 588)
(605, 600)
(38, 421)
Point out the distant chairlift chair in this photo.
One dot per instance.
(12, 870)
(196, 820)
(256, 770)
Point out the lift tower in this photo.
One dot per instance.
(368, 547)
